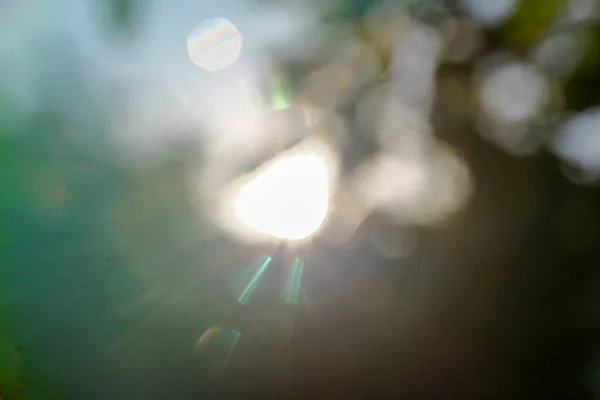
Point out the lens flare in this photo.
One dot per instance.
(215, 348)
(288, 199)
(246, 283)
(291, 290)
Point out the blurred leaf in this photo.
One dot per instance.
(577, 92)
(530, 22)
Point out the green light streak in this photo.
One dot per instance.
(291, 290)
(252, 275)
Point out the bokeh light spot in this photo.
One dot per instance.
(578, 141)
(514, 92)
(215, 44)
(490, 12)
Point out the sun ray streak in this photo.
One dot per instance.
(246, 283)
(291, 290)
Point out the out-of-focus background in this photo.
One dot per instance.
(437, 166)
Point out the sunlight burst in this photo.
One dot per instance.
(287, 199)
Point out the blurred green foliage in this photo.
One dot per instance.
(530, 23)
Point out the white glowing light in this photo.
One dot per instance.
(490, 12)
(578, 141)
(514, 92)
(215, 44)
(288, 199)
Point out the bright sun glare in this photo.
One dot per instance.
(288, 199)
